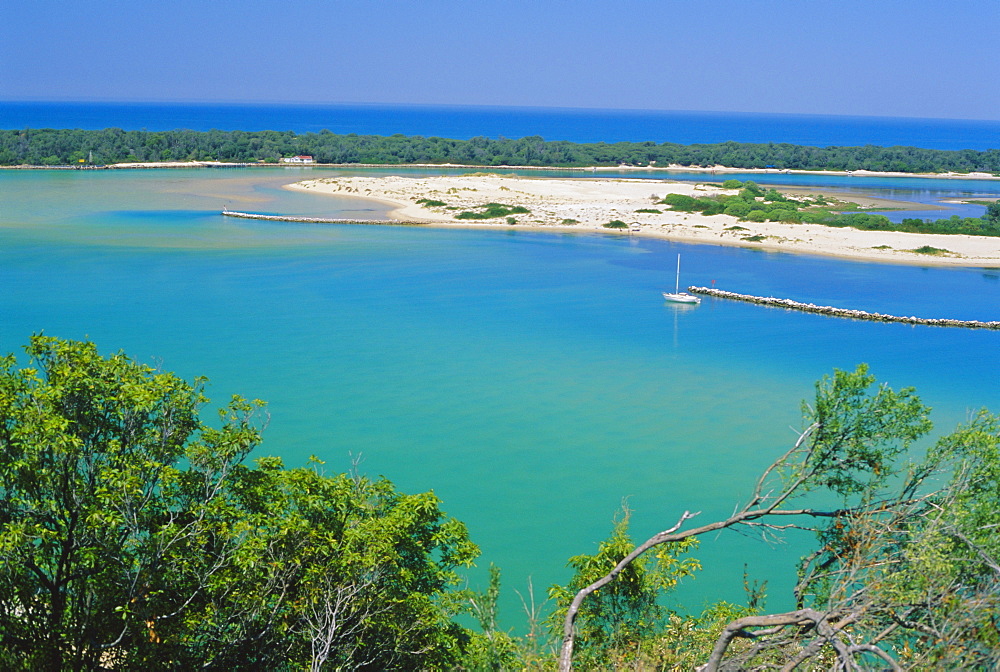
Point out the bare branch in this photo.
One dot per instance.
(876, 651)
(566, 652)
(759, 506)
(738, 628)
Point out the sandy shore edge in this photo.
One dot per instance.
(585, 205)
(712, 170)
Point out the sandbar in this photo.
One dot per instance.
(586, 204)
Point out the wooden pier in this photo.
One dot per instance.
(319, 220)
(842, 312)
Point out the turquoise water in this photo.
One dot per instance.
(532, 380)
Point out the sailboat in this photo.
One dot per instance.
(678, 296)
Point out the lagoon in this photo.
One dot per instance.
(533, 380)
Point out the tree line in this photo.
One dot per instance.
(136, 535)
(50, 147)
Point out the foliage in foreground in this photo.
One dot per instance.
(133, 536)
(628, 611)
(906, 574)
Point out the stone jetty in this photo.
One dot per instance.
(319, 220)
(841, 312)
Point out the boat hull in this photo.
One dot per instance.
(681, 297)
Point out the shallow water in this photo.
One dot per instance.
(533, 380)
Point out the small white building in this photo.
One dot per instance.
(298, 159)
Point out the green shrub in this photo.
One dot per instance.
(732, 184)
(974, 226)
(493, 211)
(864, 221)
(430, 203)
(652, 211)
(709, 206)
(706, 204)
(817, 216)
(740, 209)
(616, 224)
(774, 196)
(679, 202)
(934, 251)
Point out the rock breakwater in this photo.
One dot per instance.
(842, 312)
(319, 220)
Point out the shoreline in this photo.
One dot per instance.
(724, 170)
(569, 205)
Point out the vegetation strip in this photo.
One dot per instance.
(755, 204)
(842, 312)
(318, 220)
(51, 147)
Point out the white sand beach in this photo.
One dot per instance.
(588, 204)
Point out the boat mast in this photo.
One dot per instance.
(677, 285)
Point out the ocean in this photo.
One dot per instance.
(534, 381)
(464, 122)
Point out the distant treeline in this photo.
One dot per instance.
(47, 147)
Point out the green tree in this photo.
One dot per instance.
(132, 535)
(681, 202)
(492, 648)
(993, 213)
(356, 575)
(738, 209)
(774, 196)
(627, 611)
(903, 571)
(86, 447)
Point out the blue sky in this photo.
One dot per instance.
(917, 58)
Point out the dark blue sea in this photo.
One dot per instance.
(464, 122)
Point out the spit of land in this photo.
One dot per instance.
(588, 204)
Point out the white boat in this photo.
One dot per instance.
(678, 296)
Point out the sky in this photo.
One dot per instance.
(895, 58)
